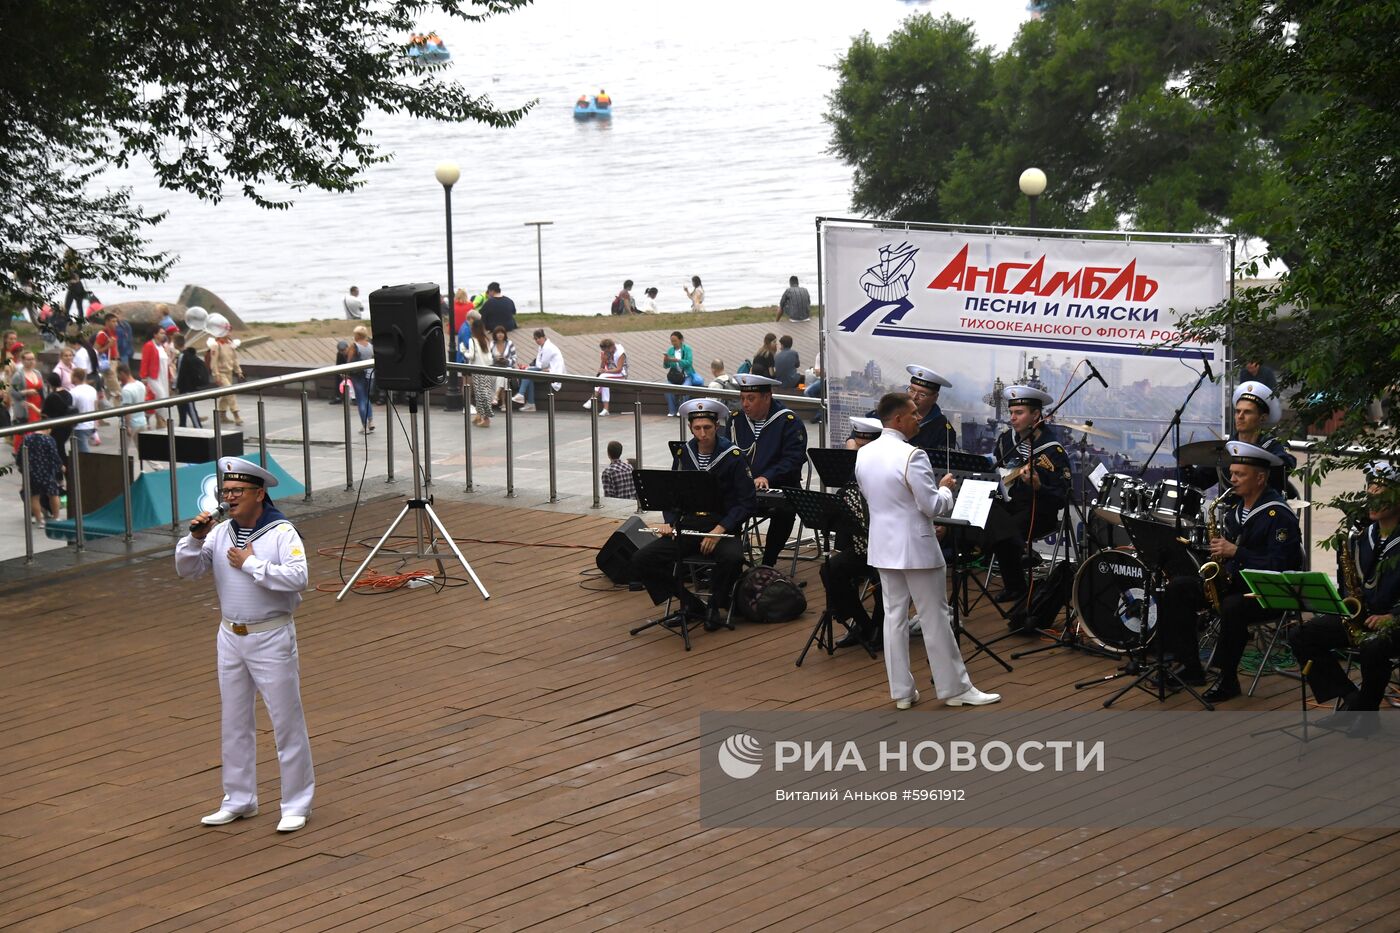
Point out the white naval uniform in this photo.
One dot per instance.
(900, 489)
(267, 588)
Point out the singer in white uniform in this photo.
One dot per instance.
(899, 487)
(259, 567)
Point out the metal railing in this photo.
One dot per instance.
(257, 387)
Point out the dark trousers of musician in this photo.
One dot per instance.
(1182, 599)
(1317, 639)
(843, 575)
(781, 518)
(658, 567)
(1009, 528)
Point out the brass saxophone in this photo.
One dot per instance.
(1211, 569)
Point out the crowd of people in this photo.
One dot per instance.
(96, 373)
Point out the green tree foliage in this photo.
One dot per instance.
(939, 128)
(261, 98)
(1331, 325)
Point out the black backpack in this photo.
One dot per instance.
(1049, 598)
(765, 595)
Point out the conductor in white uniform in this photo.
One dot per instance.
(259, 566)
(899, 487)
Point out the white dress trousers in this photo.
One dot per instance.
(265, 664)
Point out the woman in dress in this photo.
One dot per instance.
(45, 475)
(26, 393)
(696, 294)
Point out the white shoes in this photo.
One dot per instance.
(604, 413)
(221, 817)
(974, 697)
(518, 399)
(907, 701)
(528, 408)
(290, 824)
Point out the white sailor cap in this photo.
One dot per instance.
(1026, 395)
(702, 408)
(1381, 471)
(748, 382)
(923, 376)
(1261, 395)
(1248, 454)
(246, 471)
(866, 428)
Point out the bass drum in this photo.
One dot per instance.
(1109, 593)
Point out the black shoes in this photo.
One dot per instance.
(1226, 688)
(1009, 595)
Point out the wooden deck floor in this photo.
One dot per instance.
(525, 763)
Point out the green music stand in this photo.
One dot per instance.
(1291, 592)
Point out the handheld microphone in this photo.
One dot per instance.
(1094, 371)
(1205, 360)
(215, 516)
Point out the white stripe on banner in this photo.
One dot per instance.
(987, 311)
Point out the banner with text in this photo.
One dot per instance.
(988, 311)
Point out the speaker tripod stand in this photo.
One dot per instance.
(424, 520)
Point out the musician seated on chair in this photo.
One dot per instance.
(775, 442)
(657, 565)
(1257, 414)
(1368, 571)
(1256, 531)
(847, 570)
(935, 430)
(1039, 484)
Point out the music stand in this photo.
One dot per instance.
(835, 467)
(687, 492)
(960, 575)
(824, 511)
(1160, 549)
(1291, 592)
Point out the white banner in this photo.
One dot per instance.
(987, 311)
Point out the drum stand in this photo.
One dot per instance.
(1163, 680)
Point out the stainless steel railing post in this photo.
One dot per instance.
(306, 442)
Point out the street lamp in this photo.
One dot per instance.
(447, 174)
(1032, 186)
(539, 256)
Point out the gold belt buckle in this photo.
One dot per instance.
(240, 629)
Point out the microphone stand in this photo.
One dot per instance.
(1174, 429)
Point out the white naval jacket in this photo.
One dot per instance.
(897, 481)
(269, 583)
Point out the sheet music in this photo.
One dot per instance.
(974, 501)
(1097, 476)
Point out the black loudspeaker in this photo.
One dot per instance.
(615, 559)
(406, 323)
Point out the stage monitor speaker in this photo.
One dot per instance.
(615, 559)
(406, 322)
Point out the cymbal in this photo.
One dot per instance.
(1086, 428)
(1201, 453)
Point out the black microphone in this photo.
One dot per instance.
(1094, 371)
(1206, 361)
(219, 512)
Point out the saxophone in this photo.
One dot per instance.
(1346, 556)
(1211, 569)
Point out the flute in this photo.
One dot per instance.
(696, 534)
